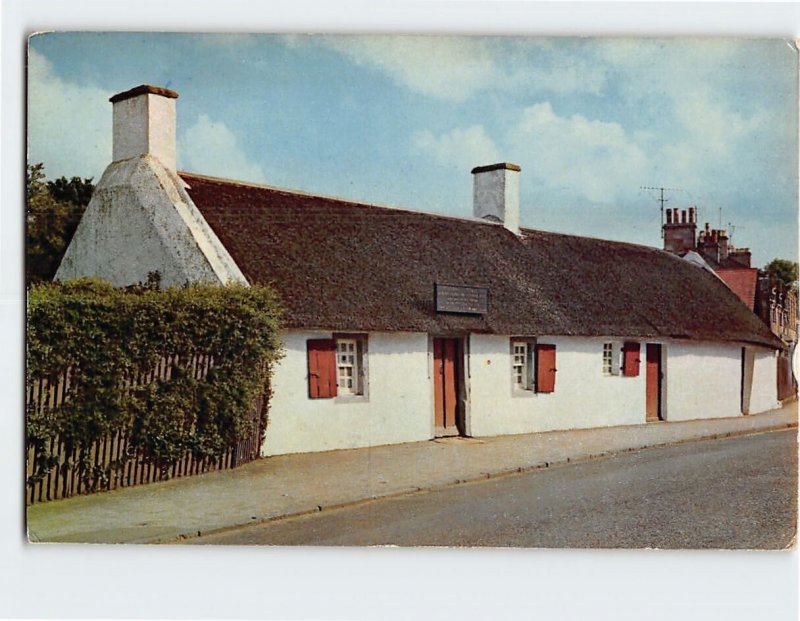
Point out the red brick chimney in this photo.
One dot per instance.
(713, 246)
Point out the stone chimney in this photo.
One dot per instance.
(679, 231)
(495, 195)
(144, 124)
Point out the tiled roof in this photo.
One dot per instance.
(742, 281)
(349, 266)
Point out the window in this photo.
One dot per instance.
(521, 365)
(612, 358)
(336, 367)
(347, 367)
(351, 367)
(608, 359)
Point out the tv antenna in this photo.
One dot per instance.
(662, 200)
(732, 228)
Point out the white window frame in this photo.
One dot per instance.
(612, 358)
(524, 347)
(351, 353)
(347, 367)
(519, 365)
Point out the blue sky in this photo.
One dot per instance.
(402, 120)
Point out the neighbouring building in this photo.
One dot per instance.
(712, 246)
(403, 326)
(773, 301)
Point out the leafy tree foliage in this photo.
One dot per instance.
(54, 210)
(783, 270)
(76, 190)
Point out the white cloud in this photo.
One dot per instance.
(449, 68)
(456, 68)
(690, 82)
(69, 125)
(69, 130)
(714, 127)
(461, 148)
(209, 147)
(594, 160)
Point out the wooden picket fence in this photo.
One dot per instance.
(113, 461)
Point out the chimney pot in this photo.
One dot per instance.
(496, 194)
(144, 124)
(669, 216)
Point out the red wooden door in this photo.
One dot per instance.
(321, 368)
(545, 368)
(446, 382)
(653, 381)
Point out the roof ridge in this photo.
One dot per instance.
(340, 199)
(526, 230)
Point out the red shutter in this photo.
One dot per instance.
(321, 368)
(630, 361)
(545, 368)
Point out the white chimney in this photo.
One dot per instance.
(144, 124)
(496, 194)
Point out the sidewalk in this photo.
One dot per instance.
(294, 484)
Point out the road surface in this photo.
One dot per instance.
(733, 493)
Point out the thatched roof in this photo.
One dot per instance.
(347, 266)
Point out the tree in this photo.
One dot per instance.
(783, 270)
(76, 190)
(54, 209)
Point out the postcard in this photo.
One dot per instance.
(411, 290)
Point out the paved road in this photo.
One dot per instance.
(733, 493)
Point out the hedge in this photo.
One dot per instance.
(106, 337)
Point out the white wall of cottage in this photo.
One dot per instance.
(764, 394)
(701, 380)
(704, 381)
(583, 396)
(398, 406)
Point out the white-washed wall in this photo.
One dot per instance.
(398, 407)
(764, 395)
(700, 381)
(703, 381)
(141, 220)
(583, 396)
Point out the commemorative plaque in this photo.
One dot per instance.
(461, 299)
